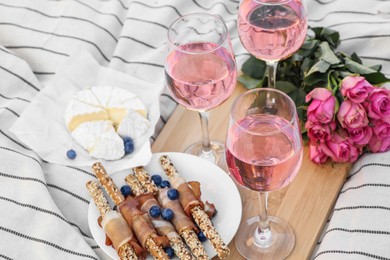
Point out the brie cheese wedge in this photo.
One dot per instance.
(99, 117)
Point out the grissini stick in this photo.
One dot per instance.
(113, 224)
(137, 219)
(163, 227)
(183, 224)
(194, 207)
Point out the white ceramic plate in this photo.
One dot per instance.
(216, 186)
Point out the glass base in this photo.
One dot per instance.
(279, 245)
(216, 155)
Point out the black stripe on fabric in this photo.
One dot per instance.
(68, 192)
(140, 42)
(44, 211)
(46, 243)
(340, 12)
(367, 37)
(19, 77)
(123, 5)
(61, 16)
(43, 73)
(12, 98)
(351, 253)
(138, 62)
(22, 178)
(357, 22)
(36, 48)
(367, 165)
(5, 257)
(95, 247)
(169, 97)
(153, 138)
(25, 155)
(362, 207)
(363, 231)
(375, 58)
(10, 110)
(146, 21)
(163, 120)
(366, 185)
(209, 8)
(60, 35)
(99, 12)
(13, 140)
(324, 3)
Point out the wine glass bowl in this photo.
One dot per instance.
(264, 154)
(200, 72)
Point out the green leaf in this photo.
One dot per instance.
(327, 54)
(358, 68)
(376, 67)
(356, 58)
(316, 80)
(285, 86)
(250, 82)
(321, 66)
(254, 67)
(298, 96)
(326, 34)
(376, 78)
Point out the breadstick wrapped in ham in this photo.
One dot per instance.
(163, 227)
(183, 224)
(194, 206)
(136, 218)
(115, 226)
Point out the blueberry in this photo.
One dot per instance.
(129, 147)
(167, 214)
(155, 211)
(126, 190)
(165, 184)
(71, 154)
(157, 179)
(169, 252)
(173, 194)
(127, 139)
(201, 236)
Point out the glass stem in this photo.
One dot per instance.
(263, 235)
(272, 67)
(206, 145)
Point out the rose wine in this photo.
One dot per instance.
(263, 152)
(201, 75)
(271, 31)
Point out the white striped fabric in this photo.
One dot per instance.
(44, 206)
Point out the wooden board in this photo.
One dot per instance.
(305, 203)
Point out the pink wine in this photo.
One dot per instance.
(200, 75)
(263, 152)
(272, 32)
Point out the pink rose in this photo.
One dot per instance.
(317, 154)
(352, 115)
(341, 149)
(381, 129)
(360, 136)
(379, 104)
(377, 145)
(318, 132)
(321, 109)
(356, 88)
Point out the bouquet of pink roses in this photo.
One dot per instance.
(342, 109)
(343, 132)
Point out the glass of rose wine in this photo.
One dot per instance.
(201, 72)
(272, 30)
(263, 154)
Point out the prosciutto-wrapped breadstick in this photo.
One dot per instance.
(194, 207)
(114, 225)
(183, 224)
(163, 227)
(137, 219)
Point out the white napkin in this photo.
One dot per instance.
(42, 127)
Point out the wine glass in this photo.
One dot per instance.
(264, 153)
(201, 72)
(272, 30)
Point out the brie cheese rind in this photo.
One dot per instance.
(98, 117)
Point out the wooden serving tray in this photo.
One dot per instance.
(305, 203)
